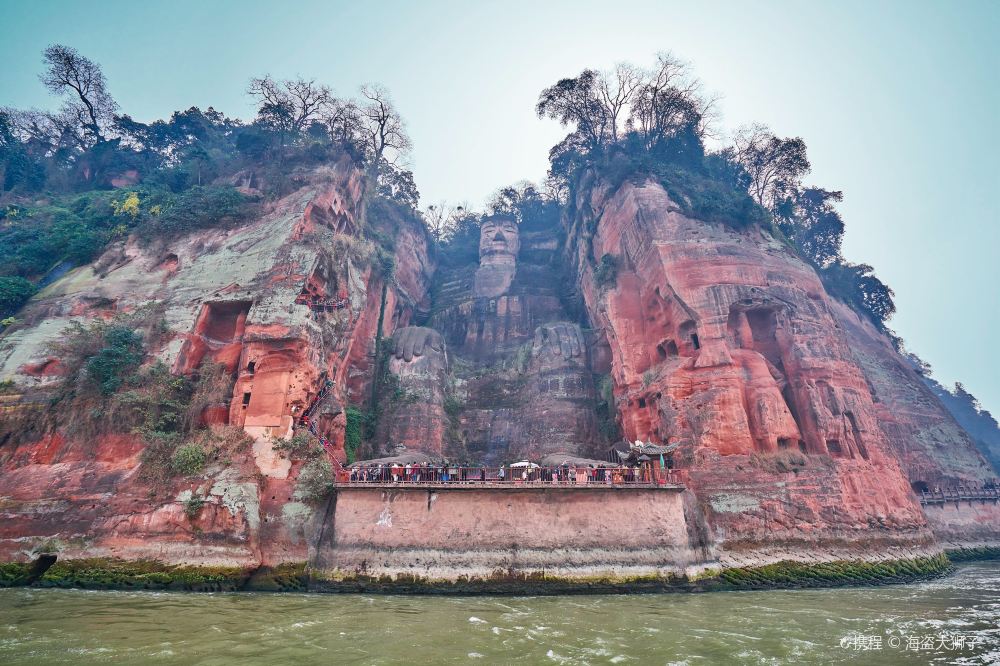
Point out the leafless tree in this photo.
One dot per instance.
(81, 83)
(45, 132)
(670, 100)
(617, 90)
(344, 122)
(381, 127)
(440, 219)
(297, 102)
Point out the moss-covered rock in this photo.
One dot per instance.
(103, 573)
(829, 574)
(288, 577)
(14, 573)
(294, 577)
(974, 554)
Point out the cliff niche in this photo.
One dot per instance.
(498, 373)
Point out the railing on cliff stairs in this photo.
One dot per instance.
(959, 494)
(456, 476)
(306, 421)
(317, 304)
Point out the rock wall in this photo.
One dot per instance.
(727, 344)
(965, 525)
(286, 303)
(799, 430)
(931, 446)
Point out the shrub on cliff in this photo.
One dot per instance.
(198, 208)
(459, 240)
(857, 285)
(353, 432)
(188, 459)
(606, 272)
(300, 446)
(315, 481)
(193, 505)
(70, 228)
(122, 353)
(14, 292)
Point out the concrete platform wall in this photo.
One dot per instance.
(449, 533)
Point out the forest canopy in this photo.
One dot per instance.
(87, 174)
(638, 123)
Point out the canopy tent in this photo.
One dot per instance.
(524, 463)
(561, 460)
(412, 458)
(640, 452)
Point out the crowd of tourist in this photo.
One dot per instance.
(518, 473)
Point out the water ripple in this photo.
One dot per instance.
(86, 627)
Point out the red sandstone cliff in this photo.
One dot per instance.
(799, 428)
(797, 422)
(284, 303)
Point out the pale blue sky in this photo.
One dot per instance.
(897, 102)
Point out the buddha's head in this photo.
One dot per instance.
(498, 237)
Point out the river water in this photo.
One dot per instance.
(953, 619)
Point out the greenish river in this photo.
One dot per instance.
(953, 619)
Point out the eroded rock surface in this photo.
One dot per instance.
(288, 303)
(728, 344)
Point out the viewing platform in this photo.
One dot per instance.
(509, 487)
(959, 494)
(482, 478)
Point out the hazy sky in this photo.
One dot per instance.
(897, 101)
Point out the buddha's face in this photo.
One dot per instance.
(498, 237)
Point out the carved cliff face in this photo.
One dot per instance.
(498, 239)
(499, 242)
(420, 365)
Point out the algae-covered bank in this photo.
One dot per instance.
(109, 574)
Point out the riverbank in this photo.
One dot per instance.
(109, 574)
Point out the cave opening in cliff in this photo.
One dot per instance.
(321, 291)
(251, 366)
(763, 333)
(920, 487)
(223, 321)
(695, 342)
(666, 349)
(246, 398)
(217, 335)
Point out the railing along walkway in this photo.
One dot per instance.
(959, 494)
(516, 478)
